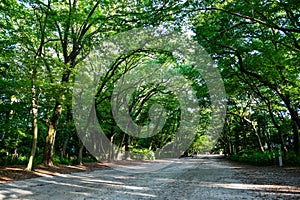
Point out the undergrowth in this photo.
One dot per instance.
(267, 158)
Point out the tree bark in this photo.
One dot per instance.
(296, 139)
(236, 142)
(80, 153)
(34, 122)
(111, 155)
(127, 149)
(120, 146)
(50, 139)
(64, 148)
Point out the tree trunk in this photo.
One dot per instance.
(34, 123)
(252, 123)
(80, 153)
(50, 139)
(112, 149)
(265, 133)
(64, 148)
(261, 148)
(230, 147)
(296, 139)
(69, 118)
(120, 146)
(127, 150)
(236, 142)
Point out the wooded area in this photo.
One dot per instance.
(255, 45)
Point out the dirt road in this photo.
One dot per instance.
(182, 179)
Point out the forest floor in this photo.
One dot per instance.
(203, 178)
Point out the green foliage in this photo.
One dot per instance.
(142, 154)
(256, 46)
(291, 159)
(57, 160)
(201, 144)
(73, 160)
(89, 159)
(254, 43)
(266, 159)
(8, 160)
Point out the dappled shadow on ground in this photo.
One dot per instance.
(74, 186)
(268, 182)
(183, 179)
(17, 172)
(263, 191)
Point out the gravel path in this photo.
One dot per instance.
(182, 179)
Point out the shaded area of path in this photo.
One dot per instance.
(17, 172)
(182, 179)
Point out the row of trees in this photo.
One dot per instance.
(256, 46)
(254, 43)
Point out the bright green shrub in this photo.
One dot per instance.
(142, 154)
